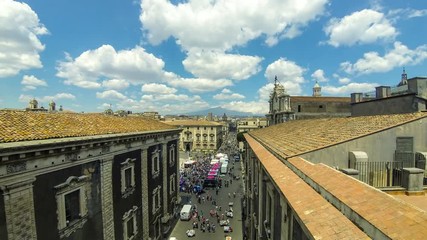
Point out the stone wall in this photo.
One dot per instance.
(107, 198)
(19, 209)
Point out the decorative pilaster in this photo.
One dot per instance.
(144, 184)
(165, 178)
(260, 202)
(177, 165)
(19, 209)
(107, 198)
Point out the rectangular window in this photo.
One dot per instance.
(172, 183)
(72, 206)
(211, 128)
(172, 155)
(71, 203)
(155, 163)
(127, 177)
(156, 199)
(130, 228)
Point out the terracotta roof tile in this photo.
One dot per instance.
(322, 219)
(296, 137)
(23, 126)
(391, 216)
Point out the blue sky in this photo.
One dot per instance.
(182, 56)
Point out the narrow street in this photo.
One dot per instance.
(231, 195)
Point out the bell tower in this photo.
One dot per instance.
(404, 79)
(317, 90)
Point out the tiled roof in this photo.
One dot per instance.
(296, 137)
(192, 123)
(322, 220)
(396, 219)
(23, 126)
(319, 99)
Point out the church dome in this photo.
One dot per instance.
(34, 101)
(316, 85)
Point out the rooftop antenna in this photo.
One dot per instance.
(275, 80)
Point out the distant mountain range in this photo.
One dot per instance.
(219, 111)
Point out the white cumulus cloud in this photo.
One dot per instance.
(58, 96)
(404, 13)
(288, 73)
(344, 80)
(399, 56)
(265, 91)
(134, 65)
(255, 107)
(227, 94)
(346, 90)
(111, 95)
(30, 82)
(217, 65)
(223, 24)
(157, 88)
(365, 26)
(46, 99)
(20, 45)
(319, 75)
(115, 84)
(172, 103)
(200, 84)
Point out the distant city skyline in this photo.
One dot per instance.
(181, 56)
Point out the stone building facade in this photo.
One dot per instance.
(279, 105)
(249, 124)
(410, 95)
(306, 107)
(199, 136)
(299, 181)
(86, 176)
(283, 107)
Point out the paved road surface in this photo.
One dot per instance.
(222, 200)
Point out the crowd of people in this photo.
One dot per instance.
(192, 184)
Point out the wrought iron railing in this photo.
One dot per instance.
(382, 174)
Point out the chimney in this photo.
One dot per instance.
(356, 97)
(382, 92)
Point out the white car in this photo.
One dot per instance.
(227, 229)
(224, 222)
(191, 233)
(229, 214)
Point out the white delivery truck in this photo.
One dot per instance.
(186, 212)
(224, 168)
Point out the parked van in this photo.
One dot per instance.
(186, 212)
(224, 168)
